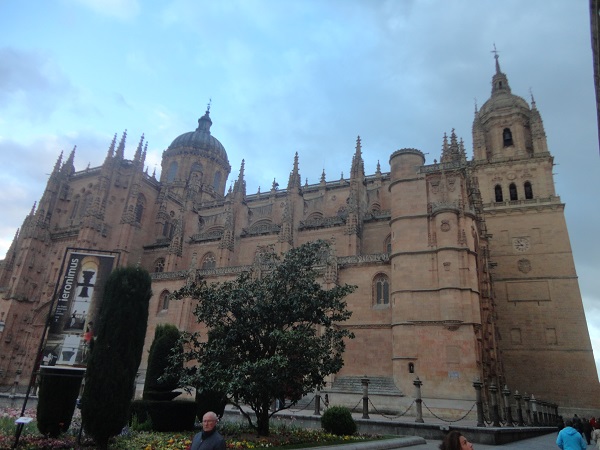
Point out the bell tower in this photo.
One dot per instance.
(539, 306)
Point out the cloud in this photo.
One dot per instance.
(32, 86)
(119, 9)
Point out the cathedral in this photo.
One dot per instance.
(464, 266)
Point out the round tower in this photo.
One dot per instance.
(434, 289)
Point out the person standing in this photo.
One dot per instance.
(570, 439)
(587, 430)
(209, 438)
(455, 441)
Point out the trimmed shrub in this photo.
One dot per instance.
(58, 393)
(165, 343)
(338, 420)
(173, 416)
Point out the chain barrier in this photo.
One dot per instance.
(304, 407)
(446, 420)
(391, 417)
(354, 409)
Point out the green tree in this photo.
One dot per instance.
(159, 385)
(112, 367)
(272, 333)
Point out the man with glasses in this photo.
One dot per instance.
(209, 438)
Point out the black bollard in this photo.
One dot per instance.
(317, 403)
(507, 411)
(495, 416)
(520, 422)
(365, 385)
(418, 400)
(527, 409)
(534, 415)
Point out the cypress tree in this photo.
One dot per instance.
(113, 364)
(158, 385)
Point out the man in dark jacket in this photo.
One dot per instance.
(209, 438)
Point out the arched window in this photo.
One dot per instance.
(528, 190)
(209, 261)
(411, 367)
(172, 172)
(159, 265)
(163, 302)
(75, 207)
(387, 245)
(381, 290)
(87, 202)
(498, 193)
(507, 138)
(139, 208)
(512, 189)
(217, 180)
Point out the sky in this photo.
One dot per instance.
(287, 76)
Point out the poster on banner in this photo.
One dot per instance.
(77, 306)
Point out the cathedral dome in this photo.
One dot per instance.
(503, 100)
(199, 142)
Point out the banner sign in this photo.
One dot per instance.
(77, 307)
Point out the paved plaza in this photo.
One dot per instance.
(546, 442)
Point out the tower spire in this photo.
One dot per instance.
(496, 57)
(111, 149)
(204, 122)
(499, 81)
(239, 187)
(294, 182)
(138, 152)
(120, 154)
(358, 167)
(68, 166)
(58, 163)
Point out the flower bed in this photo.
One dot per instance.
(238, 437)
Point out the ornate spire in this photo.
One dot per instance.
(111, 149)
(499, 81)
(144, 152)
(239, 187)
(68, 168)
(294, 182)
(533, 106)
(358, 168)
(453, 151)
(58, 163)
(496, 57)
(138, 152)
(120, 154)
(204, 122)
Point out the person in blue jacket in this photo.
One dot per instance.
(209, 438)
(570, 439)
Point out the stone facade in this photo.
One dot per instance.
(464, 267)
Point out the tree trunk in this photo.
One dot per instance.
(262, 420)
